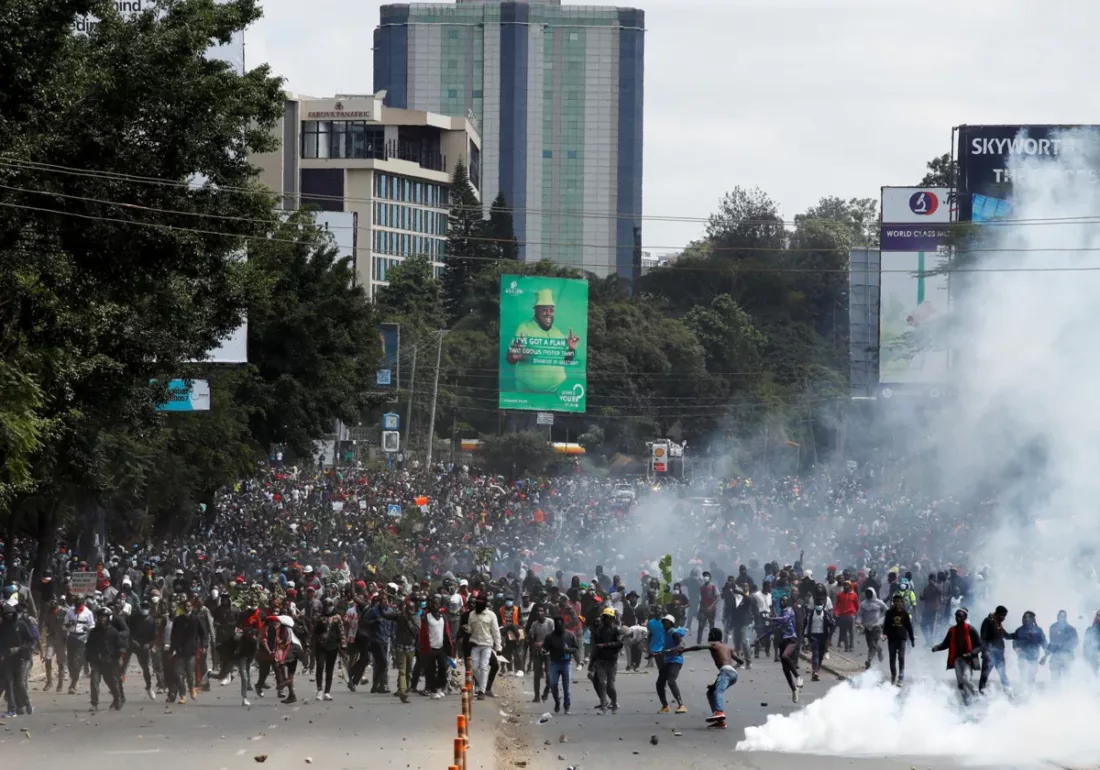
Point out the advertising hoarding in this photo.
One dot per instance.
(231, 52)
(187, 396)
(388, 376)
(913, 305)
(984, 152)
(543, 343)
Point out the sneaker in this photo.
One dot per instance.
(292, 698)
(489, 694)
(150, 694)
(404, 696)
(437, 696)
(326, 697)
(794, 696)
(800, 683)
(615, 708)
(227, 681)
(537, 699)
(194, 693)
(320, 695)
(557, 708)
(567, 712)
(815, 678)
(181, 700)
(717, 716)
(30, 709)
(245, 703)
(481, 696)
(681, 709)
(259, 692)
(665, 710)
(717, 725)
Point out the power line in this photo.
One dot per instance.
(581, 213)
(739, 269)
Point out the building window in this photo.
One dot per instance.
(452, 93)
(315, 138)
(572, 155)
(342, 139)
(478, 93)
(547, 153)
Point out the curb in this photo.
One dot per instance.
(827, 666)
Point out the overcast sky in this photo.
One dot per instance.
(802, 99)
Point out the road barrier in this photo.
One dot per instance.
(462, 721)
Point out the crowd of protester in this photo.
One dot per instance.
(302, 574)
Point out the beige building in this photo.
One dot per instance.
(390, 167)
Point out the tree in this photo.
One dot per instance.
(859, 216)
(745, 220)
(108, 282)
(413, 295)
(466, 245)
(500, 231)
(941, 172)
(313, 338)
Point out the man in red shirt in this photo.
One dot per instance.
(847, 605)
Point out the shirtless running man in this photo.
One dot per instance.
(724, 658)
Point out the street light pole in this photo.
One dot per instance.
(435, 395)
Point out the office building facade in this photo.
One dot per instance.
(391, 167)
(556, 92)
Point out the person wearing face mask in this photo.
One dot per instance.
(79, 620)
(708, 607)
(483, 630)
(104, 650)
(143, 635)
(1028, 642)
(1063, 646)
(511, 630)
(818, 626)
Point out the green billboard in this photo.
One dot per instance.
(543, 343)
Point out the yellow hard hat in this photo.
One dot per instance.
(545, 298)
(609, 612)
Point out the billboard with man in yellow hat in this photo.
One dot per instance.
(543, 343)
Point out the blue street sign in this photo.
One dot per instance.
(393, 510)
(391, 421)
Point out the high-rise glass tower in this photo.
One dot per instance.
(556, 93)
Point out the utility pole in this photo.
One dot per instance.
(435, 394)
(409, 413)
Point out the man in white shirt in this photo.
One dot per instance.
(484, 632)
(79, 620)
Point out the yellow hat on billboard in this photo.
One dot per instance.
(545, 298)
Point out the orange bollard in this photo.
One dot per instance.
(460, 753)
(462, 732)
(467, 709)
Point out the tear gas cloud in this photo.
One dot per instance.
(1026, 426)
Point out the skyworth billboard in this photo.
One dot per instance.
(984, 154)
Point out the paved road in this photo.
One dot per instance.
(215, 733)
(623, 740)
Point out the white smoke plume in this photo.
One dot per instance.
(1026, 425)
